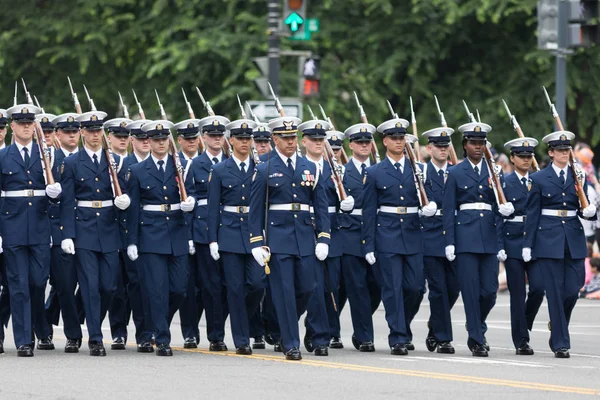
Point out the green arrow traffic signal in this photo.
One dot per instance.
(294, 21)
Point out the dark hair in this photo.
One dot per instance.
(595, 262)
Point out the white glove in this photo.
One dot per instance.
(122, 202)
(450, 253)
(188, 204)
(347, 204)
(430, 209)
(321, 251)
(589, 211)
(191, 247)
(506, 209)
(67, 246)
(370, 257)
(132, 252)
(501, 255)
(54, 190)
(1, 249)
(526, 254)
(260, 255)
(214, 251)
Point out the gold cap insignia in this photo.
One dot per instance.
(123, 124)
(216, 122)
(525, 144)
(244, 126)
(363, 130)
(70, 119)
(288, 125)
(190, 125)
(563, 137)
(398, 124)
(159, 127)
(94, 118)
(333, 137)
(25, 110)
(318, 126)
(477, 128)
(261, 129)
(444, 133)
(45, 120)
(1, 115)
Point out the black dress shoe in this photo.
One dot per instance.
(524, 350)
(336, 343)
(479, 351)
(269, 339)
(145, 347)
(321, 350)
(308, 342)
(293, 354)
(277, 348)
(445, 348)
(244, 350)
(366, 347)
(164, 350)
(431, 343)
(217, 346)
(562, 353)
(486, 345)
(72, 345)
(1, 346)
(190, 343)
(97, 349)
(25, 351)
(399, 349)
(355, 342)
(259, 343)
(118, 344)
(45, 344)
(410, 346)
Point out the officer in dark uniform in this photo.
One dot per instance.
(291, 183)
(392, 229)
(89, 225)
(441, 274)
(157, 228)
(262, 138)
(228, 234)
(4, 297)
(518, 272)
(554, 236)
(25, 229)
(209, 276)
(470, 215)
(362, 287)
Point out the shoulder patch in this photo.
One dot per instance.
(62, 168)
(210, 176)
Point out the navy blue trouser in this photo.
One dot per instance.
(334, 275)
(4, 299)
(191, 309)
(317, 320)
(256, 322)
(214, 293)
(97, 274)
(119, 310)
(270, 315)
(27, 272)
(165, 277)
(523, 312)
(444, 288)
(245, 281)
(478, 277)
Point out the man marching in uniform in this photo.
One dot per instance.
(441, 274)
(228, 234)
(4, 296)
(518, 272)
(157, 229)
(288, 184)
(393, 230)
(554, 236)
(262, 138)
(89, 225)
(25, 228)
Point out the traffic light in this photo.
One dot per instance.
(583, 23)
(294, 17)
(547, 13)
(311, 71)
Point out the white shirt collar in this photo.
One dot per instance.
(2, 146)
(401, 162)
(189, 158)
(519, 176)
(238, 162)
(318, 163)
(358, 164)
(139, 158)
(437, 169)
(20, 147)
(91, 153)
(478, 165)
(284, 158)
(557, 170)
(218, 156)
(67, 153)
(156, 160)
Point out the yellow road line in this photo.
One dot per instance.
(413, 373)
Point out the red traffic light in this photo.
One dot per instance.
(294, 4)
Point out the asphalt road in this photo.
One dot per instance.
(345, 374)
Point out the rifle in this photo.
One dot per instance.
(139, 106)
(451, 150)
(517, 127)
(123, 106)
(363, 117)
(55, 141)
(335, 168)
(209, 110)
(493, 169)
(193, 116)
(414, 129)
(75, 99)
(15, 97)
(281, 112)
(112, 164)
(343, 157)
(578, 173)
(417, 173)
(179, 170)
(253, 151)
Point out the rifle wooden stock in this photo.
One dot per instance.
(494, 179)
(344, 157)
(451, 150)
(337, 179)
(374, 149)
(178, 168)
(414, 132)
(44, 152)
(413, 163)
(112, 166)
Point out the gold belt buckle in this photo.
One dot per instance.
(242, 210)
(165, 207)
(28, 192)
(401, 210)
(562, 213)
(96, 204)
(479, 206)
(296, 207)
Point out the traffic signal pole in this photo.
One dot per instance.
(273, 17)
(561, 60)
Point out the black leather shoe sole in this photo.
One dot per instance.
(117, 346)
(190, 345)
(321, 351)
(45, 346)
(28, 352)
(524, 352)
(145, 348)
(71, 349)
(277, 348)
(562, 354)
(399, 351)
(293, 355)
(366, 348)
(244, 350)
(431, 343)
(355, 342)
(336, 345)
(410, 346)
(98, 352)
(259, 345)
(446, 349)
(164, 352)
(218, 346)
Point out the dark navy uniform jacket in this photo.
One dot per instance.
(351, 225)
(386, 232)
(54, 204)
(547, 236)
(159, 232)
(433, 227)
(513, 233)
(289, 232)
(335, 248)
(24, 220)
(229, 187)
(470, 231)
(94, 229)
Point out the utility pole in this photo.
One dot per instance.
(561, 60)
(273, 17)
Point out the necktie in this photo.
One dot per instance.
(26, 155)
(161, 169)
(95, 157)
(363, 167)
(441, 173)
(524, 181)
(243, 167)
(215, 160)
(476, 169)
(562, 176)
(289, 165)
(398, 168)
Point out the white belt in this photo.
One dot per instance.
(94, 203)
(237, 209)
(438, 213)
(558, 213)
(23, 193)
(289, 207)
(330, 210)
(518, 218)
(475, 206)
(162, 207)
(202, 202)
(356, 211)
(398, 210)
